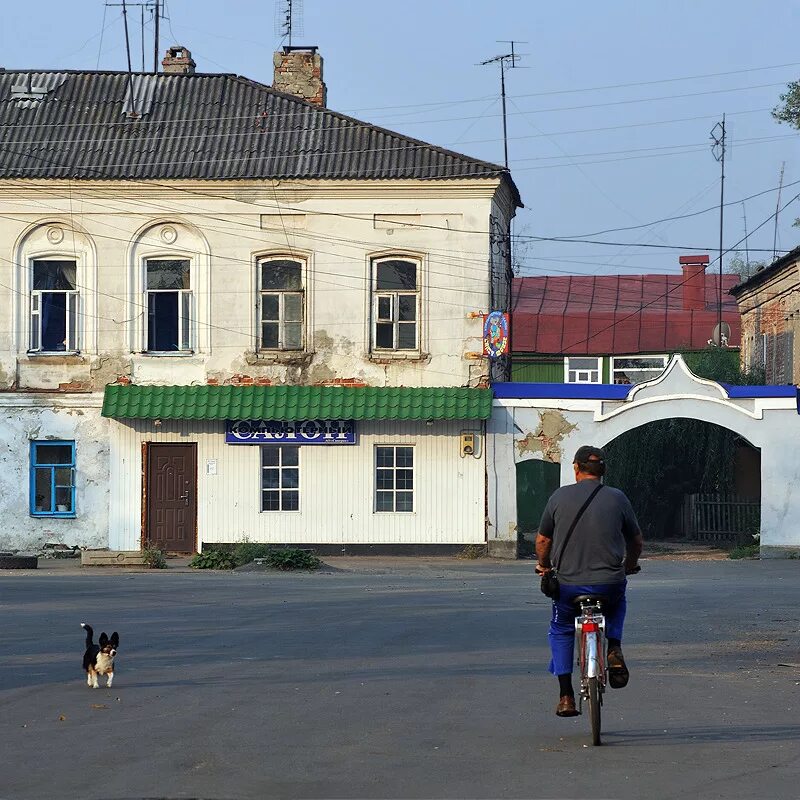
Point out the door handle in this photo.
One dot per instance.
(185, 497)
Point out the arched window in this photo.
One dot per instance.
(281, 304)
(169, 305)
(395, 304)
(54, 306)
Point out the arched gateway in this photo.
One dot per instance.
(549, 421)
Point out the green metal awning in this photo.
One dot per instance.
(294, 402)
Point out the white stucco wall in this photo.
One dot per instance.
(337, 485)
(75, 418)
(223, 228)
(771, 424)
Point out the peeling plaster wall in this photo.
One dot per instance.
(512, 436)
(27, 417)
(336, 227)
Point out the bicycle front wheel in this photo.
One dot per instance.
(594, 709)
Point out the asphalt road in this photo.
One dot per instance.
(420, 680)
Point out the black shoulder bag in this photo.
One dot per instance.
(550, 587)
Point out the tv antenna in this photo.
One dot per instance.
(777, 211)
(718, 143)
(288, 20)
(156, 9)
(506, 61)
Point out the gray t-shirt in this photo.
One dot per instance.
(596, 550)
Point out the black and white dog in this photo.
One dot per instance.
(99, 658)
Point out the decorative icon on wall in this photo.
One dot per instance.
(496, 334)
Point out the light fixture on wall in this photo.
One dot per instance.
(157, 423)
(429, 423)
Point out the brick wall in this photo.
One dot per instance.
(771, 326)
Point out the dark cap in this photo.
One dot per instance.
(588, 453)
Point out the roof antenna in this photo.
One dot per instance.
(128, 50)
(155, 7)
(777, 211)
(288, 20)
(506, 61)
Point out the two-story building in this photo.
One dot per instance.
(232, 313)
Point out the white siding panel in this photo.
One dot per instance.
(337, 485)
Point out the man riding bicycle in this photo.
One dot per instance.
(604, 546)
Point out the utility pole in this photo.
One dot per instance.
(718, 151)
(506, 61)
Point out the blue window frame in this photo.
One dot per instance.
(52, 479)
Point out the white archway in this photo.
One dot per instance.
(550, 422)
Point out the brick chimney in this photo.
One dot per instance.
(694, 282)
(178, 61)
(298, 71)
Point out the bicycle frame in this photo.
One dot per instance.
(590, 628)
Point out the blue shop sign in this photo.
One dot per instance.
(308, 431)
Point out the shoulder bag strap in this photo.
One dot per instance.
(575, 522)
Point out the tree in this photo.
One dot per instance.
(789, 111)
(745, 269)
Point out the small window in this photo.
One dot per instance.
(395, 305)
(280, 477)
(636, 369)
(394, 478)
(582, 370)
(169, 305)
(281, 304)
(54, 307)
(52, 486)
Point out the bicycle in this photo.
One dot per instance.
(590, 631)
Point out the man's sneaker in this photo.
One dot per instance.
(566, 707)
(618, 674)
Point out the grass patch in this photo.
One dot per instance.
(154, 558)
(291, 558)
(213, 559)
(745, 551)
(282, 558)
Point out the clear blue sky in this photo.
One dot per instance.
(411, 66)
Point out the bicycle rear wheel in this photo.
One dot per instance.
(594, 709)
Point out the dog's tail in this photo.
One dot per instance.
(89, 633)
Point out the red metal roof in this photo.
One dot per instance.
(619, 314)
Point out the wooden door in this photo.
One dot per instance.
(171, 497)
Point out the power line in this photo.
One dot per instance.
(684, 216)
(686, 280)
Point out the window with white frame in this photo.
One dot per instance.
(52, 479)
(55, 303)
(395, 304)
(281, 304)
(169, 305)
(280, 477)
(580, 369)
(394, 478)
(636, 369)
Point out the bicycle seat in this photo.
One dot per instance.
(589, 598)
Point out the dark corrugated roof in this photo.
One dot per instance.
(202, 126)
(618, 314)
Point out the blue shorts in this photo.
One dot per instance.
(562, 625)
